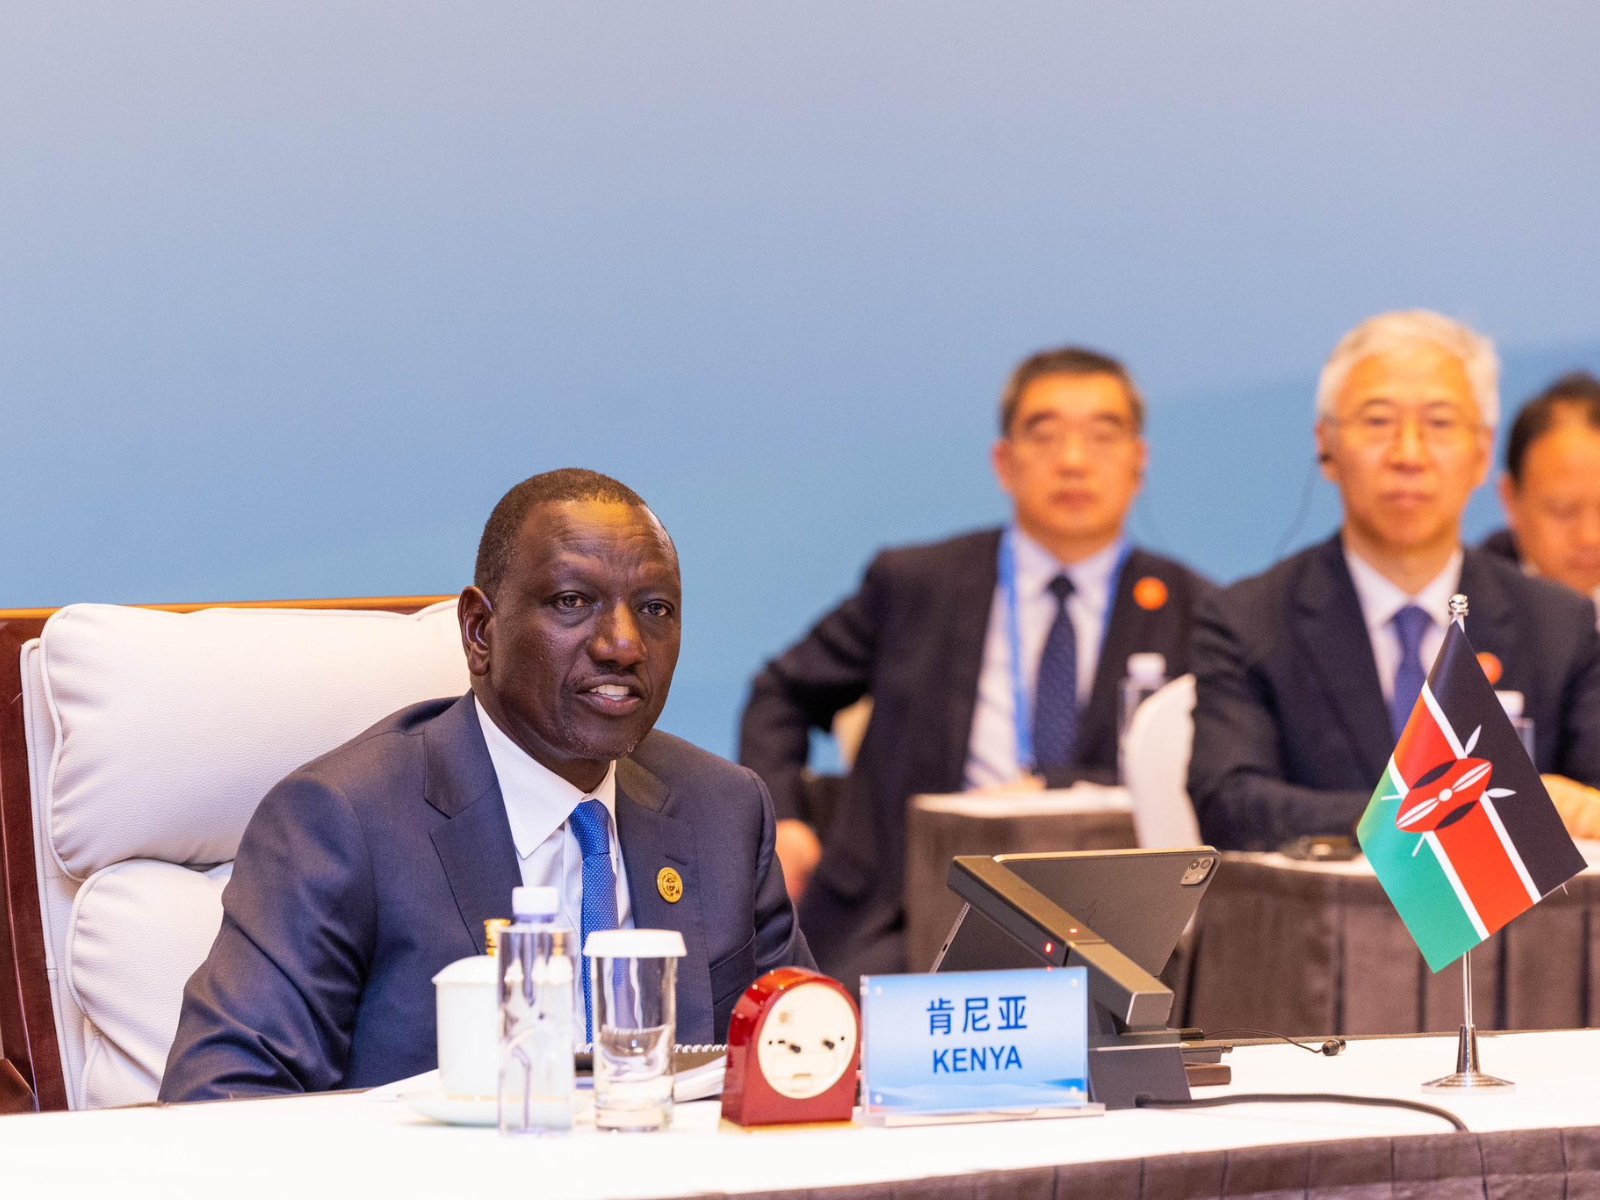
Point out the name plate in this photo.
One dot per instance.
(1010, 1042)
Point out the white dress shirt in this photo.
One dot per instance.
(538, 803)
(992, 747)
(1380, 600)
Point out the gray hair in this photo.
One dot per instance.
(1393, 330)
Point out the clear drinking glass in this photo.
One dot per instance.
(633, 981)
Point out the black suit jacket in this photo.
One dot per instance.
(913, 638)
(366, 871)
(1291, 729)
(1503, 543)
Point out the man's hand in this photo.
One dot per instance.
(799, 850)
(1578, 804)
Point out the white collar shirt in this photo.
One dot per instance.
(538, 804)
(1380, 600)
(992, 759)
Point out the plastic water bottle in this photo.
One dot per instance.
(536, 988)
(1514, 704)
(1147, 675)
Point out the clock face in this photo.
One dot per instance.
(806, 1041)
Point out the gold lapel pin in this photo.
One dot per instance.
(670, 884)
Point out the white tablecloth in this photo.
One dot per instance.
(370, 1144)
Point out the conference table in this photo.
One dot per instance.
(1541, 1140)
(1085, 816)
(1280, 944)
(1309, 948)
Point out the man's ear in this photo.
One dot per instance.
(475, 613)
(1325, 459)
(1486, 450)
(1002, 459)
(1508, 501)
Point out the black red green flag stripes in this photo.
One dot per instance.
(1460, 831)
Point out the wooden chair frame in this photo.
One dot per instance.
(31, 1076)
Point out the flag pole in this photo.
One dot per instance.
(1466, 1078)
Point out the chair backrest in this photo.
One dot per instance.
(1155, 760)
(135, 749)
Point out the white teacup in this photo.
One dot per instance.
(467, 993)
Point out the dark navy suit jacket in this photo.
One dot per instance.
(1291, 731)
(913, 638)
(367, 870)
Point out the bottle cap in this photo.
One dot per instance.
(1512, 702)
(1148, 667)
(634, 943)
(535, 901)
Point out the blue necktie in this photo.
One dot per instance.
(591, 826)
(1055, 699)
(1410, 623)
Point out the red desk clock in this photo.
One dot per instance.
(794, 1049)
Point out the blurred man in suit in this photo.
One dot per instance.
(366, 871)
(1551, 486)
(1306, 674)
(992, 659)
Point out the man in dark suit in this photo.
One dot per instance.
(1306, 674)
(366, 871)
(1551, 486)
(992, 659)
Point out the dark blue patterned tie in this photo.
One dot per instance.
(591, 826)
(1055, 699)
(1410, 623)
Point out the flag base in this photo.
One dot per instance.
(1466, 1078)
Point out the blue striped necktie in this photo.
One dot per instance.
(591, 825)
(1055, 697)
(1410, 623)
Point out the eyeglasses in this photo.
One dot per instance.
(1439, 428)
(1052, 437)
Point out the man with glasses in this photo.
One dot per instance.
(992, 659)
(1306, 674)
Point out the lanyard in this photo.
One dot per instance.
(1021, 702)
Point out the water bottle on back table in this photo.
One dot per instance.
(1147, 675)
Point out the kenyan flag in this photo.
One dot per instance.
(1461, 832)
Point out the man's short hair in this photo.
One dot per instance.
(1575, 394)
(499, 538)
(1067, 360)
(1396, 330)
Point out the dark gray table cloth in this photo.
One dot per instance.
(1305, 951)
(1523, 1164)
(941, 827)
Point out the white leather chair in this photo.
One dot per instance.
(1156, 767)
(150, 737)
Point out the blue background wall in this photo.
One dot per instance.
(291, 292)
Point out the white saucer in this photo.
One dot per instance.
(452, 1110)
